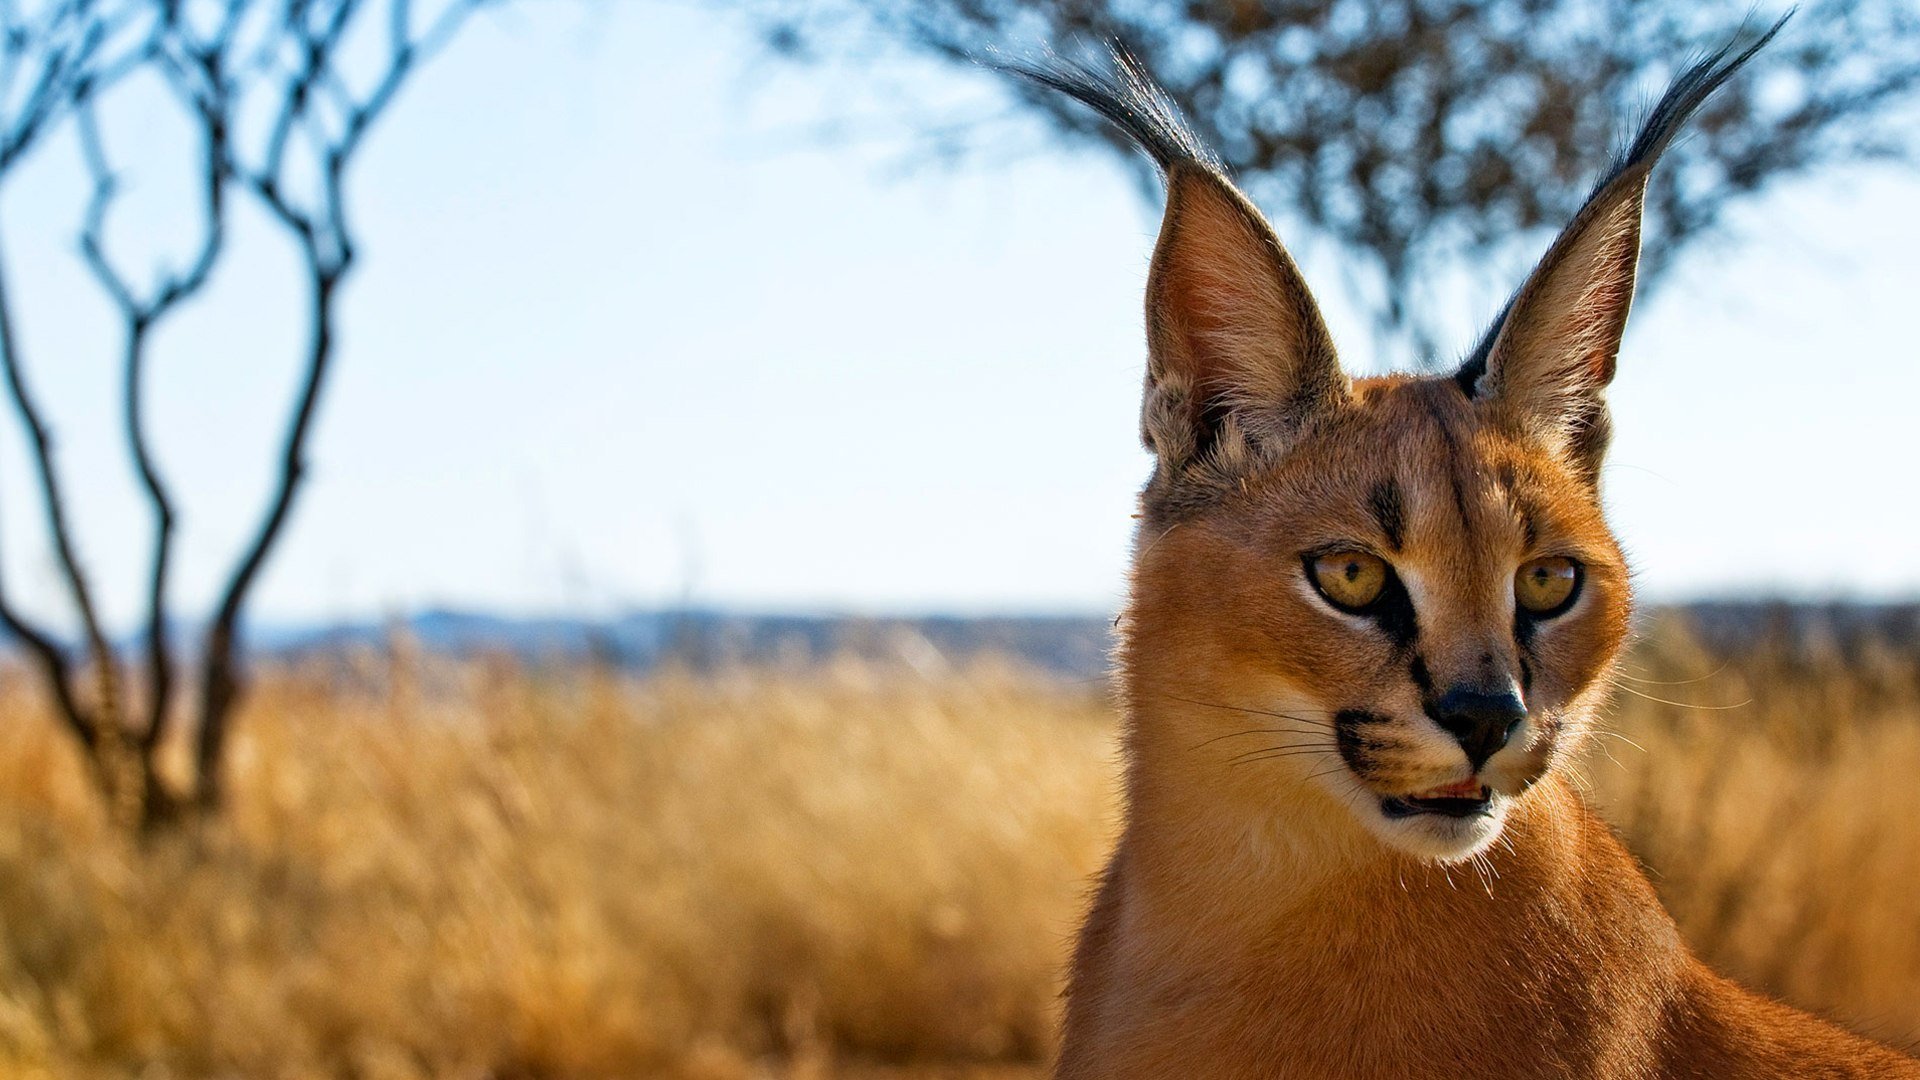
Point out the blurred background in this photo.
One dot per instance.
(578, 538)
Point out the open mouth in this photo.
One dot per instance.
(1454, 801)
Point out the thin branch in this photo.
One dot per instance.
(60, 60)
(57, 672)
(326, 244)
(93, 228)
(315, 52)
(141, 317)
(70, 42)
(40, 441)
(159, 643)
(46, 652)
(160, 664)
(27, 127)
(70, 39)
(220, 684)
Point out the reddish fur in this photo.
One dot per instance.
(1563, 965)
(1247, 925)
(1301, 890)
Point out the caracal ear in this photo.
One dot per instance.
(1237, 350)
(1543, 369)
(1238, 356)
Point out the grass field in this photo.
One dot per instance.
(472, 870)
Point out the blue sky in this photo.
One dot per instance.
(625, 333)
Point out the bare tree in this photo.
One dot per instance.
(1387, 126)
(279, 96)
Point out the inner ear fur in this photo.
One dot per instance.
(1238, 354)
(1547, 371)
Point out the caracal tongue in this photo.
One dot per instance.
(1470, 788)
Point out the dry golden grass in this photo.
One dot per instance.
(1772, 795)
(438, 870)
(502, 875)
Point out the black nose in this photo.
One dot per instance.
(1481, 721)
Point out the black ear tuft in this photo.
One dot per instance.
(1682, 99)
(1128, 98)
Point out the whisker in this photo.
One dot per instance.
(1298, 751)
(1673, 682)
(1156, 540)
(1580, 776)
(1314, 745)
(1686, 704)
(1245, 709)
(1482, 868)
(1616, 735)
(1258, 731)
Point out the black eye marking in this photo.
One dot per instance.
(1523, 628)
(1390, 511)
(1422, 678)
(1395, 616)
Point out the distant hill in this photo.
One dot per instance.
(1068, 645)
(1074, 646)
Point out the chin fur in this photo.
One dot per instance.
(1428, 837)
(1439, 839)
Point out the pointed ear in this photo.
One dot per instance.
(1239, 358)
(1238, 355)
(1543, 369)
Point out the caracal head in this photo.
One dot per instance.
(1395, 598)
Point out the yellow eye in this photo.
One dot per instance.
(1547, 586)
(1351, 579)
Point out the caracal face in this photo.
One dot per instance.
(1412, 613)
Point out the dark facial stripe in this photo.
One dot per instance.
(1394, 614)
(1356, 745)
(1455, 462)
(1522, 504)
(1390, 510)
(1523, 630)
